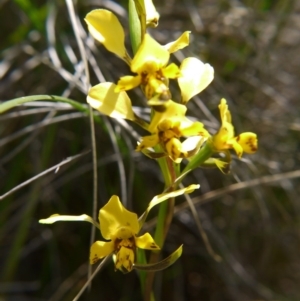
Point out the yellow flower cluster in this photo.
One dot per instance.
(170, 129)
(171, 133)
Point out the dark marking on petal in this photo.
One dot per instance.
(95, 259)
(159, 108)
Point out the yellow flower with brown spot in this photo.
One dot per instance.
(178, 136)
(120, 227)
(168, 129)
(225, 139)
(150, 63)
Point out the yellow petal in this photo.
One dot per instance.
(148, 141)
(165, 196)
(196, 76)
(192, 143)
(57, 217)
(106, 28)
(171, 71)
(248, 142)
(100, 249)
(150, 55)
(128, 82)
(194, 129)
(114, 215)
(180, 43)
(224, 112)
(152, 16)
(146, 242)
(173, 148)
(103, 98)
(228, 128)
(237, 147)
(170, 110)
(222, 138)
(222, 165)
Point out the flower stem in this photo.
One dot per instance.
(169, 170)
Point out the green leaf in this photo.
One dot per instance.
(36, 15)
(134, 27)
(161, 265)
(7, 105)
(137, 23)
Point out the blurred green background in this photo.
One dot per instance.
(254, 48)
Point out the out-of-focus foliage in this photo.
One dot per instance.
(254, 47)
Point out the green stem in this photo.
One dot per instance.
(141, 258)
(165, 213)
(21, 233)
(169, 170)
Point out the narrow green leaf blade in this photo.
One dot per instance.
(161, 265)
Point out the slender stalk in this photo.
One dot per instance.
(171, 172)
(164, 220)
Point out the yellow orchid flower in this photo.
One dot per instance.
(224, 139)
(150, 64)
(169, 127)
(120, 228)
